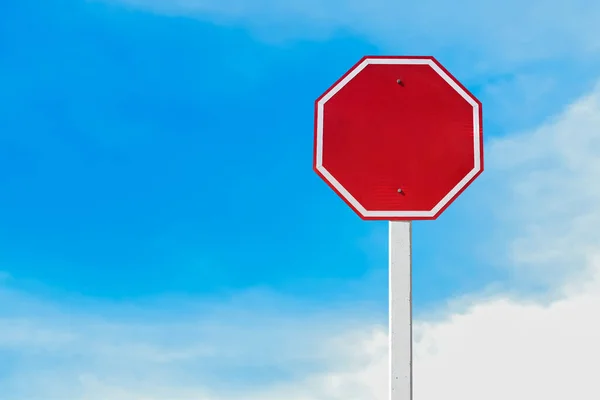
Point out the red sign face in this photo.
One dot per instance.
(398, 138)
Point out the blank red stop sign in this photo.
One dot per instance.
(398, 138)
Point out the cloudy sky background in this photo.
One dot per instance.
(163, 236)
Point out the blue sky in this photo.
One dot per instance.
(152, 155)
(158, 172)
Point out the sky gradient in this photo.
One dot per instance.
(163, 235)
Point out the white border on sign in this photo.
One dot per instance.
(398, 214)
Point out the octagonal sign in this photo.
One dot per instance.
(398, 138)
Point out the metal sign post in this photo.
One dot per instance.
(400, 309)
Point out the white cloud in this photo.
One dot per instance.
(505, 32)
(494, 348)
(522, 59)
(546, 192)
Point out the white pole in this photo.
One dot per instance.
(400, 310)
